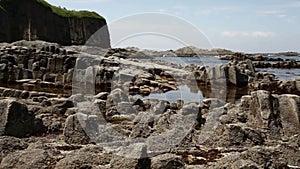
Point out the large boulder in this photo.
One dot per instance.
(263, 109)
(60, 106)
(82, 128)
(276, 113)
(289, 107)
(74, 131)
(15, 119)
(237, 78)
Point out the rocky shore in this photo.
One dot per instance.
(78, 107)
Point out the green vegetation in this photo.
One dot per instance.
(70, 13)
(1, 8)
(60, 11)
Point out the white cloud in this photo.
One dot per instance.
(162, 10)
(180, 7)
(247, 34)
(294, 4)
(268, 12)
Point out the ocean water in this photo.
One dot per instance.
(203, 61)
(285, 57)
(184, 92)
(282, 74)
(232, 94)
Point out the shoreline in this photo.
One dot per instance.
(116, 129)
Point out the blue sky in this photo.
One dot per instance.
(249, 26)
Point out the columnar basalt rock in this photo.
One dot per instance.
(38, 20)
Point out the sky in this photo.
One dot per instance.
(239, 25)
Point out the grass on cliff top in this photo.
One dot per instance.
(1, 8)
(70, 13)
(62, 11)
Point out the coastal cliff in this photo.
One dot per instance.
(38, 20)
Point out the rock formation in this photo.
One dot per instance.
(38, 20)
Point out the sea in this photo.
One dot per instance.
(233, 95)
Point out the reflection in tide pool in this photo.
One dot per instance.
(198, 93)
(184, 93)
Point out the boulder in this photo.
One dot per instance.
(60, 106)
(277, 113)
(116, 96)
(90, 157)
(167, 161)
(126, 108)
(15, 119)
(32, 158)
(131, 156)
(74, 131)
(237, 78)
(264, 110)
(289, 107)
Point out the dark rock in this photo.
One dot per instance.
(39, 127)
(101, 105)
(4, 75)
(15, 120)
(24, 95)
(256, 136)
(102, 96)
(72, 30)
(236, 77)
(236, 135)
(60, 106)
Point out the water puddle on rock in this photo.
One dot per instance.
(197, 94)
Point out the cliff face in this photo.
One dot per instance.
(37, 20)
